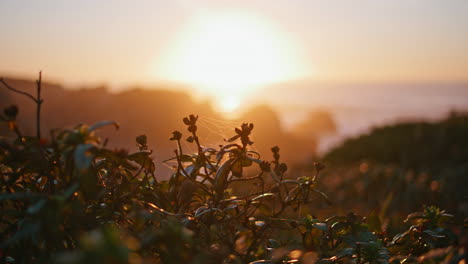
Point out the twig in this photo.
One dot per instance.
(17, 91)
(188, 176)
(38, 107)
(36, 100)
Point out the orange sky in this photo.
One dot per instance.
(122, 42)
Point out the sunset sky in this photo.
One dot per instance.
(239, 42)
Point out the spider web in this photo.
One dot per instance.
(216, 131)
(212, 132)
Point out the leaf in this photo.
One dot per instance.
(143, 159)
(102, 124)
(336, 218)
(274, 176)
(231, 207)
(359, 237)
(324, 196)
(258, 161)
(399, 238)
(444, 218)
(265, 209)
(346, 252)
(338, 226)
(222, 175)
(28, 230)
(200, 211)
(321, 226)
(236, 169)
(263, 195)
(142, 142)
(207, 210)
(186, 158)
(157, 208)
(373, 221)
(69, 192)
(233, 138)
(433, 234)
(289, 181)
(272, 244)
(19, 196)
(385, 205)
(35, 208)
(246, 161)
(82, 156)
(191, 170)
(414, 216)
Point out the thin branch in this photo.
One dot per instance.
(37, 100)
(245, 179)
(188, 176)
(18, 91)
(38, 107)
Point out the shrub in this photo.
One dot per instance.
(70, 199)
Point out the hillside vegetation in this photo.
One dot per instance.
(401, 166)
(70, 198)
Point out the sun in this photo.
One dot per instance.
(229, 54)
(229, 104)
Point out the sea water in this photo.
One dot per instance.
(356, 108)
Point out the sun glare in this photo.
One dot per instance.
(228, 54)
(229, 104)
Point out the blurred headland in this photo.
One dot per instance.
(154, 112)
(357, 107)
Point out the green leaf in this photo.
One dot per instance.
(236, 169)
(190, 170)
(143, 159)
(231, 207)
(400, 238)
(272, 243)
(246, 162)
(345, 253)
(263, 196)
(207, 210)
(335, 218)
(82, 156)
(19, 196)
(321, 226)
(414, 216)
(142, 142)
(69, 192)
(373, 221)
(324, 196)
(186, 158)
(28, 230)
(338, 226)
(102, 124)
(433, 234)
(265, 209)
(222, 175)
(35, 208)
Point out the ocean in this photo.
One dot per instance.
(357, 108)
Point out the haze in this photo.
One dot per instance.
(367, 63)
(120, 42)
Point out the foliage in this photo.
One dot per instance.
(70, 199)
(404, 165)
(415, 145)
